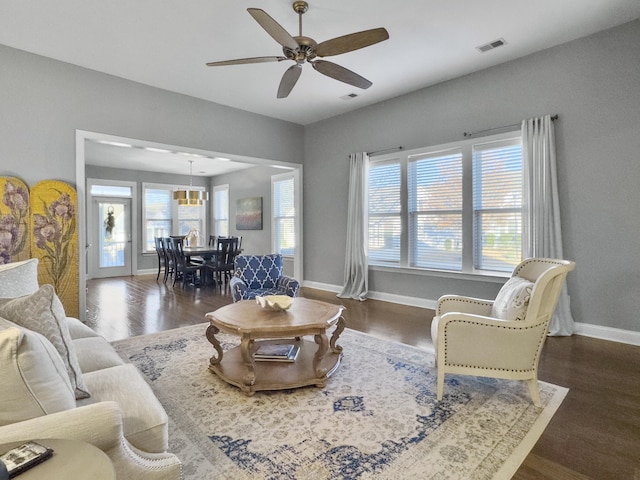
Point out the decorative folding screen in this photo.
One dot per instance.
(42, 223)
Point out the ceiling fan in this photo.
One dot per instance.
(303, 50)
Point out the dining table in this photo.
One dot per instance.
(206, 253)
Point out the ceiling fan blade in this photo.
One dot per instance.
(273, 28)
(242, 61)
(340, 73)
(289, 80)
(353, 41)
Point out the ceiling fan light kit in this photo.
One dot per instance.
(301, 50)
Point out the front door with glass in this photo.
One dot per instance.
(111, 252)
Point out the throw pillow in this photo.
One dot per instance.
(43, 312)
(19, 278)
(33, 378)
(512, 301)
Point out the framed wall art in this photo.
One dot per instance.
(249, 213)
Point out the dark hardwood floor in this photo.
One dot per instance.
(595, 434)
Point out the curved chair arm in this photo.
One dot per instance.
(99, 424)
(508, 349)
(289, 285)
(459, 303)
(238, 288)
(512, 346)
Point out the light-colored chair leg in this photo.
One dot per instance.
(440, 390)
(534, 391)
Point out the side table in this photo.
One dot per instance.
(72, 459)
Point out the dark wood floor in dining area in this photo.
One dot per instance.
(595, 434)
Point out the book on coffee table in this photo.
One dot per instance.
(24, 456)
(271, 352)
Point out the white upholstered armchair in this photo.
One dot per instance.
(500, 338)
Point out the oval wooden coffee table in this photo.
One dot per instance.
(256, 326)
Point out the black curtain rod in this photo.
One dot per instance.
(388, 150)
(469, 134)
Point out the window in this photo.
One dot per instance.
(497, 205)
(221, 210)
(157, 215)
(435, 210)
(283, 208)
(385, 213)
(457, 207)
(163, 216)
(103, 190)
(191, 219)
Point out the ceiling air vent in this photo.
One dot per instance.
(349, 96)
(491, 45)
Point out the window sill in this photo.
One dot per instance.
(482, 276)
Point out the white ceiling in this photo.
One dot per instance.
(166, 44)
(135, 155)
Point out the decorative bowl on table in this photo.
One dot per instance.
(275, 302)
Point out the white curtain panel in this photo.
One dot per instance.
(356, 272)
(543, 219)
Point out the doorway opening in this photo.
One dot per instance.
(126, 157)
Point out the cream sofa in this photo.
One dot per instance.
(61, 380)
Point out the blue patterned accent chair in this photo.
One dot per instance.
(259, 275)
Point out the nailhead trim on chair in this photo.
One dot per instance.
(507, 327)
(532, 260)
(465, 300)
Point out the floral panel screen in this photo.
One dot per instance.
(54, 240)
(14, 221)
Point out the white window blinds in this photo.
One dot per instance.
(221, 210)
(435, 210)
(385, 206)
(157, 215)
(456, 207)
(497, 205)
(284, 215)
(163, 216)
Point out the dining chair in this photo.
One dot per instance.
(227, 249)
(184, 269)
(169, 264)
(161, 257)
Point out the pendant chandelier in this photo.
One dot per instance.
(190, 197)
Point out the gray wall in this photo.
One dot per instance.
(593, 84)
(43, 102)
(252, 182)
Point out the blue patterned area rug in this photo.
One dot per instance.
(377, 417)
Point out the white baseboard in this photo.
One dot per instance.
(147, 271)
(322, 286)
(585, 329)
(608, 333)
(385, 297)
